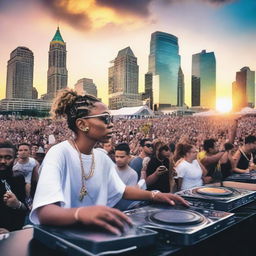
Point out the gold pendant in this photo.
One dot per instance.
(83, 193)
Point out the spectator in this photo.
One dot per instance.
(243, 157)
(26, 165)
(189, 170)
(12, 191)
(146, 148)
(124, 171)
(227, 162)
(158, 172)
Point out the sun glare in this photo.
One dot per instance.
(224, 105)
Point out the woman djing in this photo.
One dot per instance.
(79, 183)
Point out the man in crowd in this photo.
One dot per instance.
(125, 172)
(12, 191)
(210, 158)
(26, 164)
(146, 148)
(244, 156)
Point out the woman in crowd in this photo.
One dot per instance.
(227, 162)
(159, 169)
(79, 183)
(189, 171)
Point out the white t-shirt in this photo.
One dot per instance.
(191, 173)
(60, 180)
(26, 168)
(129, 176)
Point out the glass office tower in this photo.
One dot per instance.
(204, 80)
(164, 64)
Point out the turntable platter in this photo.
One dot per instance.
(211, 191)
(177, 217)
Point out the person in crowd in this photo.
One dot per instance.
(122, 157)
(12, 191)
(79, 184)
(243, 157)
(39, 155)
(227, 162)
(211, 155)
(158, 169)
(47, 147)
(26, 164)
(146, 150)
(210, 158)
(108, 149)
(189, 171)
(34, 149)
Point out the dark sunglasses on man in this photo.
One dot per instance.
(149, 145)
(106, 118)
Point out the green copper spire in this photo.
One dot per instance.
(57, 36)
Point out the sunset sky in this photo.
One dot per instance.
(95, 30)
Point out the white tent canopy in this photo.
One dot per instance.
(207, 113)
(132, 111)
(247, 110)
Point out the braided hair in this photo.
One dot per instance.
(68, 104)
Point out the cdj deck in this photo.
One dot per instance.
(219, 198)
(179, 225)
(243, 177)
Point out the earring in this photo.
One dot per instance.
(85, 129)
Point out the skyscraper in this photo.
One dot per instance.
(243, 89)
(20, 68)
(204, 80)
(86, 85)
(57, 74)
(123, 80)
(181, 89)
(164, 64)
(148, 95)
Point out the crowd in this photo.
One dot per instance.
(152, 157)
(166, 129)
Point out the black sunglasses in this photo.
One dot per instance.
(149, 145)
(106, 118)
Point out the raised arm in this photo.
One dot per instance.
(212, 159)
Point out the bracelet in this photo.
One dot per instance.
(76, 214)
(153, 194)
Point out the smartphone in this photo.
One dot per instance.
(163, 168)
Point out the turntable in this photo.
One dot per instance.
(243, 177)
(219, 198)
(179, 225)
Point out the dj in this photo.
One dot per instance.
(79, 183)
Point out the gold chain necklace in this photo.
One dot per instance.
(83, 190)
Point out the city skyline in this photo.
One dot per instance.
(228, 29)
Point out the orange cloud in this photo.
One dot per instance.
(96, 14)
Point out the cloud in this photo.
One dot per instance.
(61, 11)
(96, 14)
(137, 7)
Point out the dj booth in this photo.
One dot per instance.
(206, 232)
(237, 239)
